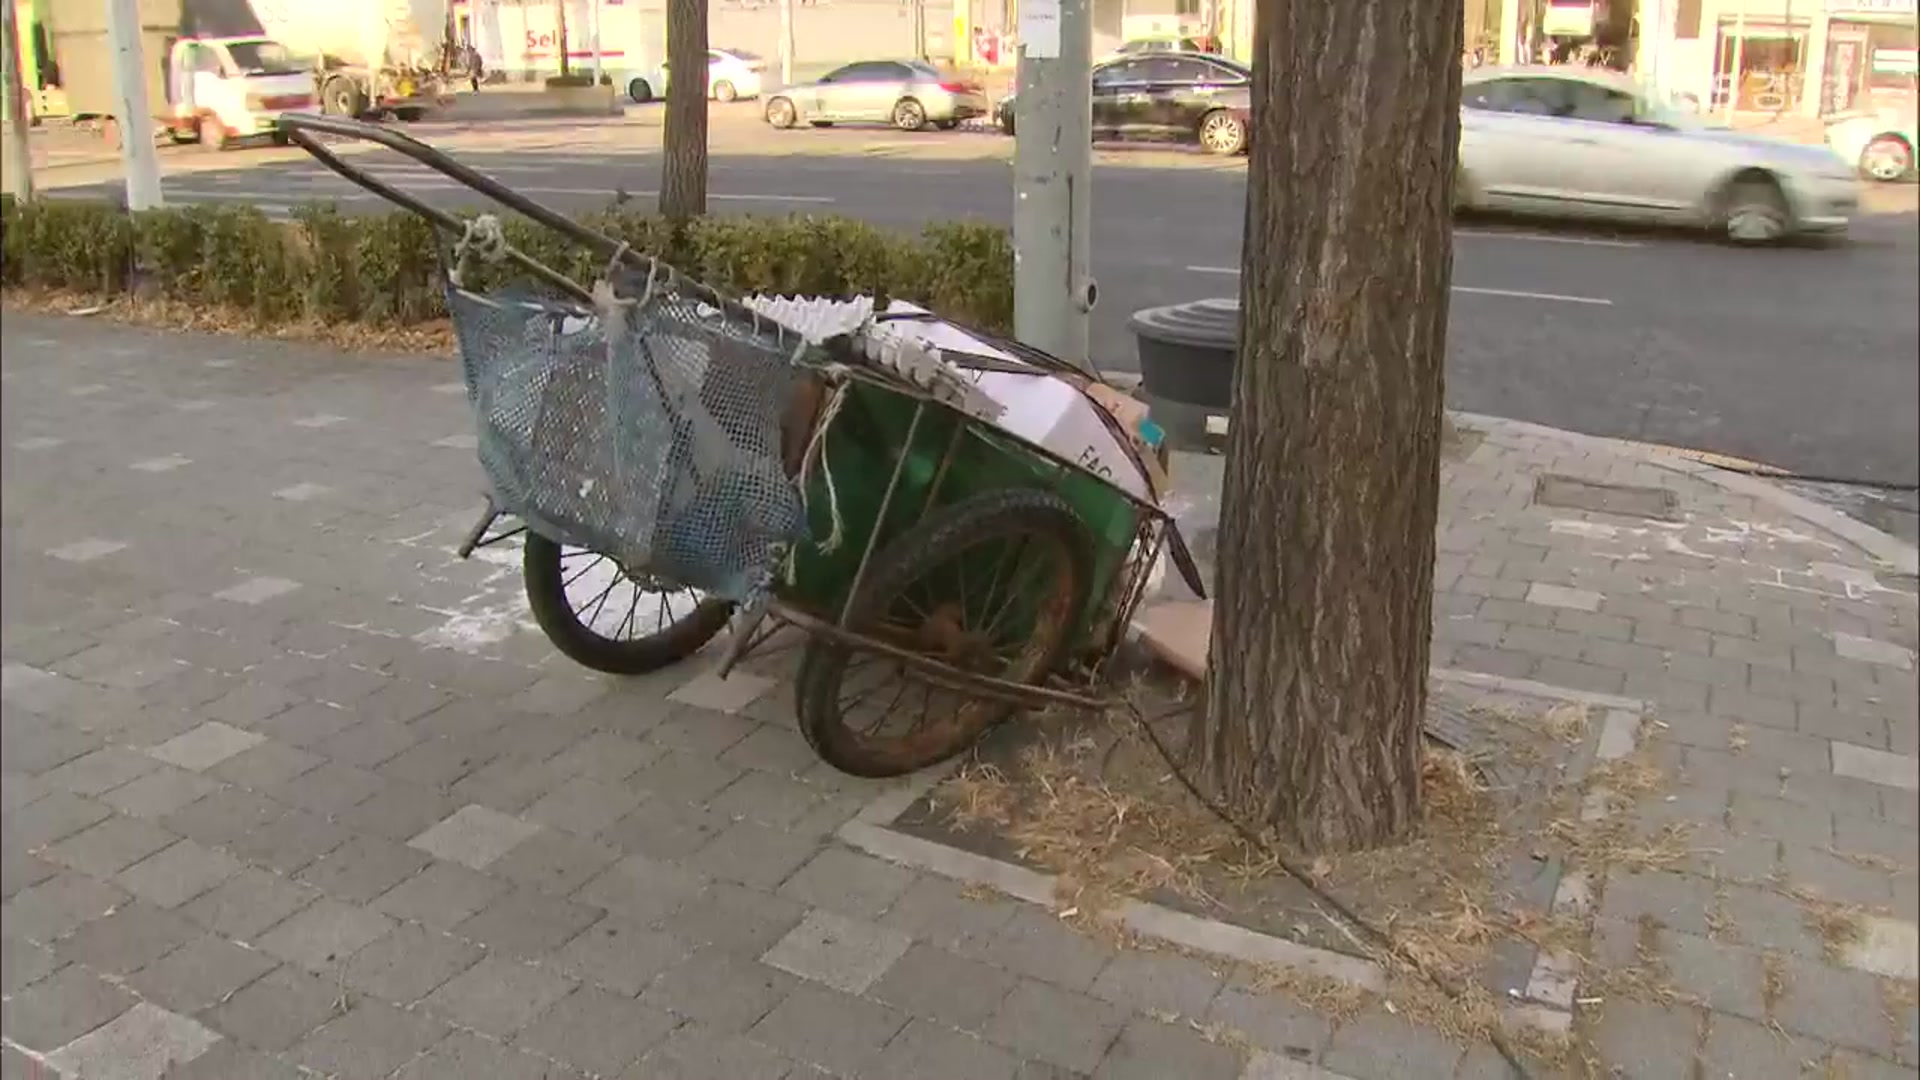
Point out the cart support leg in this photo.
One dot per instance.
(487, 518)
(880, 519)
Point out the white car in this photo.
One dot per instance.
(1881, 144)
(1590, 143)
(731, 74)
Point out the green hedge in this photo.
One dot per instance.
(382, 269)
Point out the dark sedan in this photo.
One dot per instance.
(1166, 97)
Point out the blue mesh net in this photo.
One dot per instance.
(646, 428)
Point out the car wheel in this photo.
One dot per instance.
(780, 113)
(342, 98)
(723, 91)
(213, 134)
(1756, 211)
(821, 123)
(909, 115)
(1886, 159)
(946, 125)
(640, 91)
(1222, 133)
(1006, 122)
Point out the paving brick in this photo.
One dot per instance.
(837, 1031)
(1057, 1026)
(330, 789)
(642, 888)
(1726, 978)
(466, 1056)
(23, 963)
(60, 1008)
(265, 766)
(848, 882)
(720, 990)
(1876, 766)
(200, 973)
(1270, 1022)
(1791, 822)
(1737, 1048)
(1843, 1007)
(276, 1010)
(1036, 944)
(178, 873)
(51, 818)
(768, 799)
(141, 1042)
(368, 743)
(222, 816)
(101, 771)
(441, 896)
(128, 938)
(1151, 1050)
(475, 836)
(410, 963)
(735, 917)
(771, 748)
(399, 812)
(846, 954)
(499, 996)
(596, 1031)
(324, 934)
(370, 1041)
(557, 863)
(926, 1051)
(697, 1052)
(665, 830)
(507, 785)
(621, 955)
(227, 1060)
(527, 923)
(1159, 982)
(19, 870)
(363, 868)
(1645, 1041)
(291, 841)
(938, 912)
(582, 805)
(683, 776)
(930, 982)
(205, 746)
(1862, 836)
(434, 762)
(1820, 872)
(110, 847)
(247, 904)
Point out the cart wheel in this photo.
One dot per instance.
(601, 618)
(993, 585)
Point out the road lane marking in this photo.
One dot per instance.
(1518, 294)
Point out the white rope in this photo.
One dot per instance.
(482, 239)
(817, 452)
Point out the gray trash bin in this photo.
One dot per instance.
(1187, 354)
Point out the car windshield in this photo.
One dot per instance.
(262, 58)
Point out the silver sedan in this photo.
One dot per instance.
(1588, 143)
(909, 94)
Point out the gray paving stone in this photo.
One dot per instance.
(642, 888)
(369, 743)
(940, 913)
(177, 874)
(1725, 978)
(499, 996)
(441, 896)
(721, 990)
(846, 954)
(1850, 882)
(527, 923)
(290, 842)
(1737, 1048)
(1765, 918)
(399, 812)
(19, 870)
(927, 1051)
(370, 1041)
(697, 1052)
(139, 1044)
(206, 746)
(935, 984)
(1876, 766)
(1270, 1022)
(839, 1032)
(265, 766)
(228, 1060)
(558, 863)
(363, 868)
(51, 818)
(848, 882)
(1159, 982)
(1151, 1050)
(474, 836)
(1843, 1007)
(755, 855)
(24, 962)
(60, 1008)
(464, 1056)
(110, 847)
(101, 771)
(200, 973)
(666, 830)
(247, 904)
(768, 799)
(1057, 1026)
(434, 762)
(621, 955)
(331, 788)
(223, 816)
(126, 939)
(583, 806)
(1644, 1041)
(683, 776)
(1783, 820)
(324, 934)
(1038, 945)
(410, 963)
(1856, 1066)
(733, 916)
(596, 1031)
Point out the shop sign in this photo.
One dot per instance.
(1870, 7)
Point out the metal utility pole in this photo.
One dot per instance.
(19, 159)
(137, 155)
(786, 42)
(593, 29)
(1053, 290)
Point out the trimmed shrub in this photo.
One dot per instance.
(385, 269)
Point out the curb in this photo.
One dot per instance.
(1891, 551)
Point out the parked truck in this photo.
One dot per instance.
(210, 89)
(379, 56)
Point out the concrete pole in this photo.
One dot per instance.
(1509, 31)
(786, 42)
(1052, 177)
(1739, 59)
(137, 156)
(593, 29)
(19, 155)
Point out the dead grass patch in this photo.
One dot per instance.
(434, 337)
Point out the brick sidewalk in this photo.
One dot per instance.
(287, 787)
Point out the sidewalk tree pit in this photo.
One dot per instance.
(383, 269)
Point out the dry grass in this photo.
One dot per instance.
(1836, 924)
(435, 337)
(1737, 739)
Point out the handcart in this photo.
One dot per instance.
(681, 462)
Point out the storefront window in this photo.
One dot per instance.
(1770, 60)
(1870, 65)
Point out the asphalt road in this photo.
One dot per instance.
(1802, 357)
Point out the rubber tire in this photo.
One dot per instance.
(1877, 141)
(787, 116)
(1756, 191)
(724, 92)
(341, 97)
(1006, 512)
(821, 123)
(547, 596)
(1006, 123)
(909, 115)
(409, 115)
(640, 91)
(1240, 141)
(213, 137)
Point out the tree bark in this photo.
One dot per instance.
(1318, 673)
(683, 176)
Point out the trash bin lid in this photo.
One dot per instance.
(1213, 323)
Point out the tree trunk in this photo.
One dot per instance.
(683, 176)
(560, 36)
(1318, 674)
